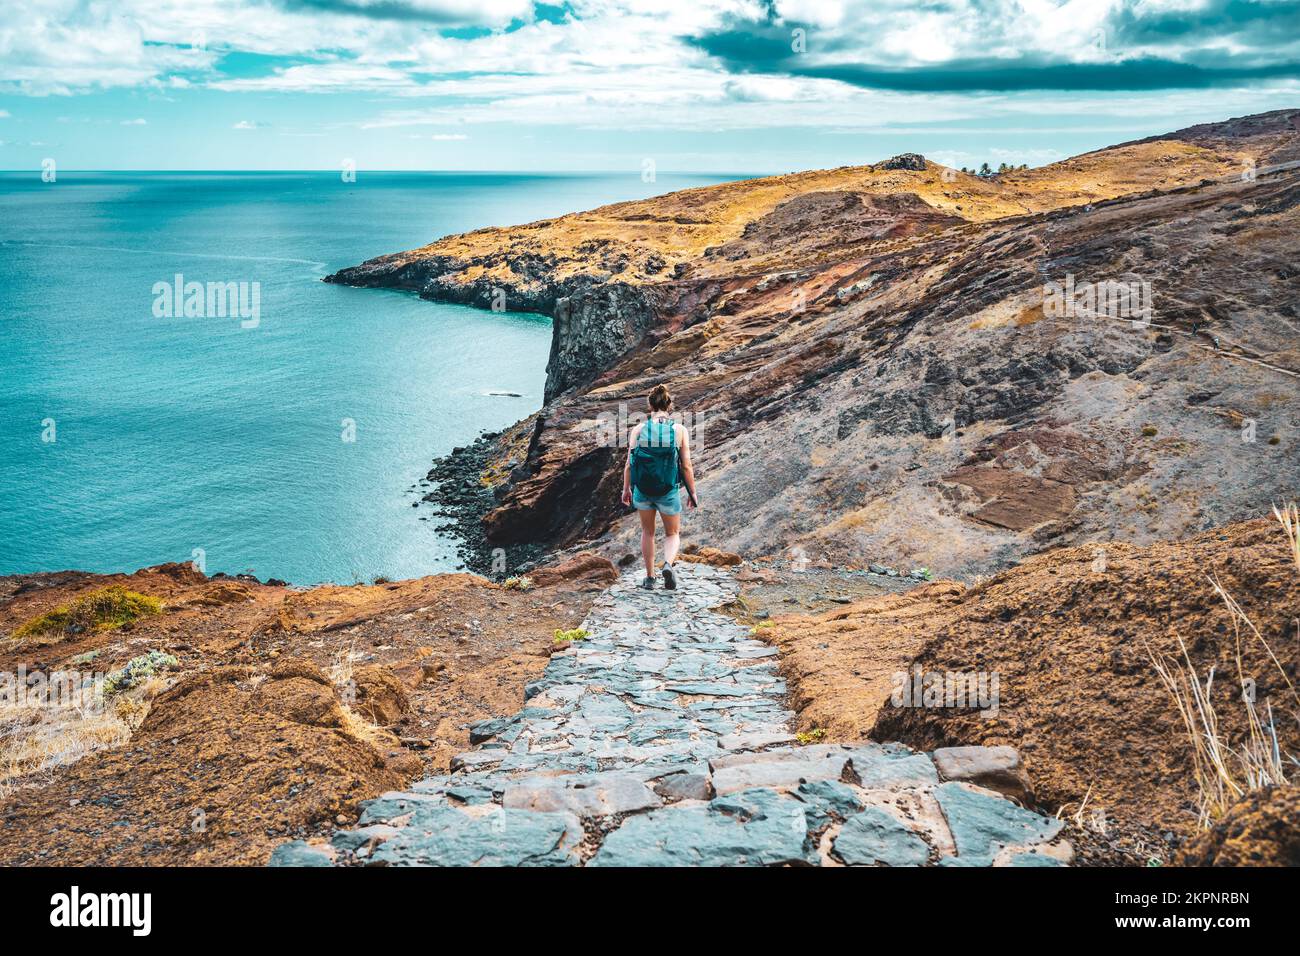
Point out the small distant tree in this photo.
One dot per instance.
(985, 171)
(1003, 168)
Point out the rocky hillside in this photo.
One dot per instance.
(874, 367)
(239, 714)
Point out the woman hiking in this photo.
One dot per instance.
(658, 464)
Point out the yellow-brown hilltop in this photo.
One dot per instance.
(650, 240)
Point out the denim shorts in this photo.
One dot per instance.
(669, 504)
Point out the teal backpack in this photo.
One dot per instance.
(654, 459)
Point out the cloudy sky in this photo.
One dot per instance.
(697, 85)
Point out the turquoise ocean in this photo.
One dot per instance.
(287, 449)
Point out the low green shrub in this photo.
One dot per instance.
(102, 610)
(136, 670)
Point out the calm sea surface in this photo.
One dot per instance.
(175, 437)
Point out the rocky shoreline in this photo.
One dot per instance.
(463, 499)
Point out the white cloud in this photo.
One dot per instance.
(249, 124)
(135, 122)
(62, 46)
(610, 63)
(323, 77)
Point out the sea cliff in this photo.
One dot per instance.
(878, 365)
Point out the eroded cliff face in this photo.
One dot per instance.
(593, 328)
(875, 373)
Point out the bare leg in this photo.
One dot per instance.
(672, 537)
(648, 541)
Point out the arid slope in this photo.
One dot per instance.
(1070, 635)
(875, 368)
(285, 708)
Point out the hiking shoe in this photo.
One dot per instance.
(648, 583)
(670, 579)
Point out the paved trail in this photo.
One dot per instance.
(663, 739)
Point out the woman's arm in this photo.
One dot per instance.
(627, 465)
(688, 471)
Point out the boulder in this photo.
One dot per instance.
(994, 768)
(584, 567)
(378, 695)
(703, 555)
(298, 691)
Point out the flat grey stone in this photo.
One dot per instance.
(430, 785)
(586, 795)
(684, 786)
(785, 774)
(300, 853)
(392, 806)
(878, 769)
(827, 800)
(505, 837)
(875, 837)
(814, 752)
(982, 822)
(649, 663)
(755, 741)
(476, 758)
(487, 729)
(1034, 859)
(753, 829)
(364, 836)
(645, 735)
(466, 793)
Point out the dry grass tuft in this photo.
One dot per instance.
(37, 737)
(1289, 517)
(1224, 770)
(353, 723)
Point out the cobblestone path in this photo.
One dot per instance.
(662, 739)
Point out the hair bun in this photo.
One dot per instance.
(660, 400)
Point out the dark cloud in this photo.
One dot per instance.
(1260, 25)
(1267, 32)
(387, 10)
